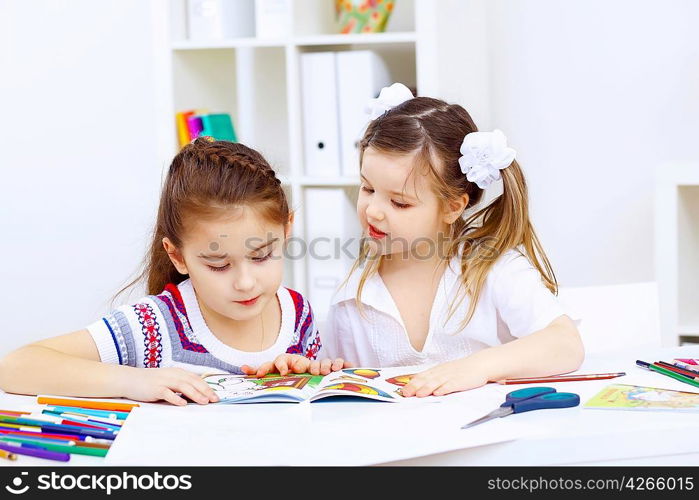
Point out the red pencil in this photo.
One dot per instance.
(560, 378)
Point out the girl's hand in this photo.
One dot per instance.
(295, 363)
(153, 384)
(453, 376)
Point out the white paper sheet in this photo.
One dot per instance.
(321, 433)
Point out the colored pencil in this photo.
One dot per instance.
(664, 371)
(33, 430)
(63, 448)
(686, 366)
(11, 412)
(88, 421)
(7, 455)
(681, 371)
(84, 417)
(56, 426)
(90, 439)
(49, 455)
(43, 435)
(53, 419)
(84, 403)
(560, 378)
(58, 438)
(119, 415)
(86, 444)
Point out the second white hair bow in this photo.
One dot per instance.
(484, 154)
(388, 98)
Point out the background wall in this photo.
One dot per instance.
(79, 172)
(593, 95)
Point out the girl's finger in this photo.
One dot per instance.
(248, 370)
(348, 365)
(300, 364)
(205, 389)
(192, 393)
(326, 366)
(412, 386)
(264, 369)
(172, 398)
(429, 387)
(314, 368)
(282, 364)
(338, 364)
(446, 388)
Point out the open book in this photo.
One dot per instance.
(380, 384)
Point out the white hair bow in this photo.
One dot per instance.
(388, 98)
(484, 154)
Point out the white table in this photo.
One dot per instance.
(549, 437)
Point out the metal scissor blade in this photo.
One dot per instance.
(502, 411)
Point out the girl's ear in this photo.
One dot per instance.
(287, 228)
(175, 256)
(455, 208)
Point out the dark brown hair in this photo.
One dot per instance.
(433, 131)
(206, 179)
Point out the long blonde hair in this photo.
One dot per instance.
(432, 131)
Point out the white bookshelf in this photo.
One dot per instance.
(677, 251)
(257, 81)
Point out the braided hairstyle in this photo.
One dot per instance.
(205, 180)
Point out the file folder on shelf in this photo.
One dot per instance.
(320, 120)
(360, 76)
(332, 240)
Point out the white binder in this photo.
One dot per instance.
(331, 222)
(360, 76)
(220, 19)
(320, 122)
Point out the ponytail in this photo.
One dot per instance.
(501, 226)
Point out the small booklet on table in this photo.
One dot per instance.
(633, 397)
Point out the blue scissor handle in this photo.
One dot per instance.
(550, 400)
(527, 393)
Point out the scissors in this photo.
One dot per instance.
(531, 398)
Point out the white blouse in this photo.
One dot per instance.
(514, 302)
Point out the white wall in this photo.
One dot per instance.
(79, 174)
(593, 95)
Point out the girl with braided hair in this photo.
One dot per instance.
(213, 274)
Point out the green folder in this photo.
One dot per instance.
(219, 126)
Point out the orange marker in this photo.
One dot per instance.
(84, 403)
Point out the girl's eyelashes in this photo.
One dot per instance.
(254, 259)
(219, 269)
(261, 259)
(396, 204)
(399, 205)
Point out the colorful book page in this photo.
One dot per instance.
(634, 397)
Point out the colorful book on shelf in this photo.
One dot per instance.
(195, 123)
(219, 126)
(371, 383)
(363, 16)
(183, 136)
(194, 126)
(633, 397)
